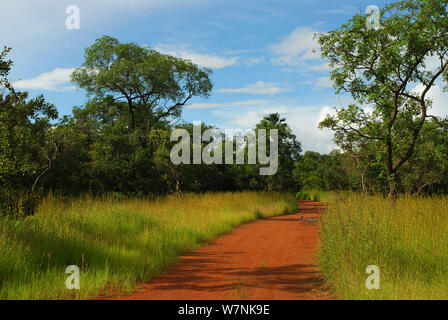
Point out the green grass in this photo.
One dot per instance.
(115, 243)
(409, 244)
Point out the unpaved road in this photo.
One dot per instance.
(271, 259)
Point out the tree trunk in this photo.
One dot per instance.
(363, 185)
(131, 112)
(175, 175)
(363, 178)
(392, 188)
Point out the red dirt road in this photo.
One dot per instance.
(270, 259)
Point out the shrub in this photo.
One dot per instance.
(301, 195)
(18, 204)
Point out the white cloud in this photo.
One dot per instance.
(303, 120)
(204, 60)
(299, 48)
(432, 63)
(439, 100)
(227, 104)
(326, 111)
(261, 87)
(56, 80)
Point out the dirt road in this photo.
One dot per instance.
(271, 259)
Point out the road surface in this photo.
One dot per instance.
(270, 259)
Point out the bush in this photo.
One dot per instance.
(259, 215)
(301, 195)
(17, 204)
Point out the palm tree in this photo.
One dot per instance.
(274, 120)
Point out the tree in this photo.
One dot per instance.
(289, 149)
(27, 147)
(427, 170)
(321, 172)
(5, 67)
(363, 153)
(382, 69)
(153, 87)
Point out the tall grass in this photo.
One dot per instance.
(408, 242)
(116, 243)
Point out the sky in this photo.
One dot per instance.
(261, 53)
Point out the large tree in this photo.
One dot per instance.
(390, 69)
(152, 86)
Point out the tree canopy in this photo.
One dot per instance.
(152, 86)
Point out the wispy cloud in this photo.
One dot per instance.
(299, 49)
(345, 9)
(323, 82)
(204, 60)
(56, 80)
(246, 103)
(261, 87)
(254, 60)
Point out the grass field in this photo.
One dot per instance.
(408, 243)
(116, 243)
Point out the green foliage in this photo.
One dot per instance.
(27, 147)
(381, 68)
(289, 149)
(321, 172)
(259, 215)
(150, 86)
(301, 195)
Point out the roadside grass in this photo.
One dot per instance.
(116, 244)
(327, 196)
(320, 196)
(408, 242)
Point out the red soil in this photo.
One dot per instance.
(270, 259)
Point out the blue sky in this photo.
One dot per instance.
(261, 52)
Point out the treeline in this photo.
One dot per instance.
(425, 173)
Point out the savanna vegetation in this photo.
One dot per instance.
(399, 143)
(408, 243)
(98, 189)
(115, 242)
